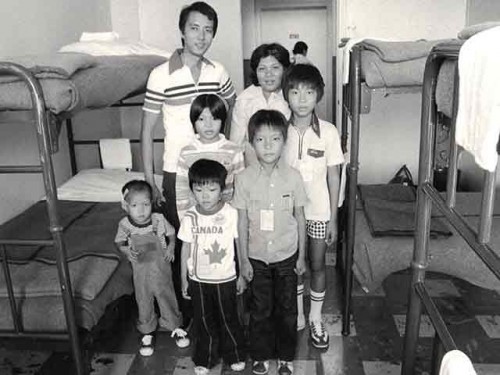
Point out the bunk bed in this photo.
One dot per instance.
(370, 255)
(481, 236)
(61, 273)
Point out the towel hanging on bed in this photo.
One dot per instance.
(478, 117)
(116, 153)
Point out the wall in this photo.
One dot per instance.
(390, 133)
(37, 27)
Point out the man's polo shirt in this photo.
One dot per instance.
(171, 89)
(270, 201)
(312, 152)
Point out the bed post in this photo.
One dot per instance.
(423, 212)
(355, 81)
(47, 170)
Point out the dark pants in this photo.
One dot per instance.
(273, 310)
(218, 332)
(170, 212)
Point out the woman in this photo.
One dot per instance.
(268, 62)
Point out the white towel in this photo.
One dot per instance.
(116, 153)
(456, 362)
(478, 117)
(343, 179)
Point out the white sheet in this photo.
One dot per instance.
(99, 185)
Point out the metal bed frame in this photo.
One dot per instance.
(45, 168)
(427, 197)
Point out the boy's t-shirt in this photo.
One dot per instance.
(270, 202)
(211, 258)
(311, 153)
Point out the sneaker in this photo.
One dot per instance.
(301, 322)
(238, 366)
(319, 336)
(200, 370)
(260, 367)
(147, 347)
(181, 339)
(285, 368)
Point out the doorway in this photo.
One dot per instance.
(287, 23)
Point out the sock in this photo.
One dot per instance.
(317, 299)
(300, 299)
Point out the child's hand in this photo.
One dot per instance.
(300, 266)
(131, 255)
(241, 285)
(170, 253)
(246, 270)
(331, 232)
(185, 285)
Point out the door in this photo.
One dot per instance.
(309, 24)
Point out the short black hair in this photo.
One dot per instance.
(300, 47)
(136, 186)
(200, 7)
(215, 105)
(205, 171)
(267, 117)
(304, 74)
(276, 50)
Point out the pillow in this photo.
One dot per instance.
(113, 48)
(471, 30)
(99, 185)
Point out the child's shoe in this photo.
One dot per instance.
(147, 347)
(260, 367)
(181, 339)
(285, 367)
(319, 335)
(200, 370)
(238, 366)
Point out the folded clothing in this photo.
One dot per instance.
(390, 211)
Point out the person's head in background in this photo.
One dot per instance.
(137, 201)
(208, 115)
(268, 62)
(300, 48)
(198, 25)
(267, 132)
(207, 180)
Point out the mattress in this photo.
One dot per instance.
(375, 258)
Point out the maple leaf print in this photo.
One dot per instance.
(216, 253)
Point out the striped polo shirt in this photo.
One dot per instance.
(171, 90)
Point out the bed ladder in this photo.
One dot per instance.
(45, 168)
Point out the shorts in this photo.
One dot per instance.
(316, 229)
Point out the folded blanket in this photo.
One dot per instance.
(57, 65)
(90, 230)
(400, 50)
(471, 30)
(88, 276)
(390, 211)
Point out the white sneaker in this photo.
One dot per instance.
(238, 366)
(147, 345)
(200, 370)
(181, 339)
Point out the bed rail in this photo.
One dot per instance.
(47, 170)
(427, 197)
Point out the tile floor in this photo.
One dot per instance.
(374, 347)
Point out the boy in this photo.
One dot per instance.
(208, 231)
(270, 199)
(141, 237)
(171, 88)
(313, 148)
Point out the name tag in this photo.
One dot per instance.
(267, 220)
(315, 153)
